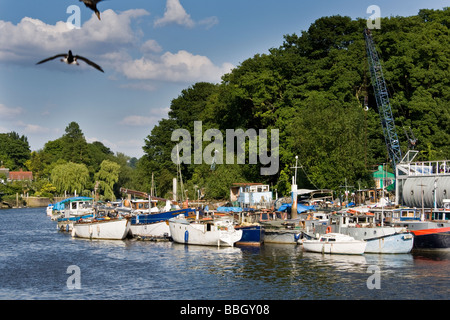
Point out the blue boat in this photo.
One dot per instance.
(252, 235)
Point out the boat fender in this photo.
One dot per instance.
(297, 236)
(186, 236)
(67, 227)
(328, 229)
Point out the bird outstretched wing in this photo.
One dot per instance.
(89, 62)
(51, 58)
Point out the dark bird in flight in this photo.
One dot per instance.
(69, 58)
(92, 4)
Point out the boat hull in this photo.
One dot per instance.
(282, 236)
(395, 243)
(197, 234)
(432, 238)
(335, 244)
(335, 248)
(66, 224)
(428, 234)
(383, 239)
(113, 229)
(155, 225)
(251, 235)
(159, 230)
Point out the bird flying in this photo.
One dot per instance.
(69, 58)
(92, 4)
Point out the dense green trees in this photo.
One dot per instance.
(67, 165)
(14, 150)
(70, 177)
(312, 88)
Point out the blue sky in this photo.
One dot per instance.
(150, 51)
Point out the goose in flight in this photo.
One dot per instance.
(69, 58)
(92, 4)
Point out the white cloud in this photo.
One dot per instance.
(175, 13)
(32, 38)
(139, 121)
(34, 128)
(6, 112)
(177, 67)
(113, 44)
(151, 46)
(209, 22)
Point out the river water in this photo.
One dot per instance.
(38, 262)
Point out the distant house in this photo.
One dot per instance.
(250, 194)
(20, 175)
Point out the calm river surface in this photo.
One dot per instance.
(36, 262)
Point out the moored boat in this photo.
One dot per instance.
(72, 207)
(66, 224)
(335, 243)
(102, 228)
(380, 239)
(208, 232)
(154, 225)
(429, 234)
(252, 235)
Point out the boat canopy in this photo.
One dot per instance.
(61, 204)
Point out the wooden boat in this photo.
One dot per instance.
(102, 228)
(335, 243)
(208, 232)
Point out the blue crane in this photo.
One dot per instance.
(384, 106)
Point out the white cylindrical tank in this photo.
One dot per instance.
(414, 186)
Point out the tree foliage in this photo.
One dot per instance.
(107, 176)
(313, 89)
(70, 177)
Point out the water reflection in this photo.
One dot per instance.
(34, 260)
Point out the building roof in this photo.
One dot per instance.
(244, 184)
(21, 175)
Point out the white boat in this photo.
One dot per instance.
(49, 209)
(155, 226)
(380, 239)
(72, 207)
(335, 243)
(208, 232)
(102, 228)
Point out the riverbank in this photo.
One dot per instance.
(29, 202)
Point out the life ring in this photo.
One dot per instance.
(328, 229)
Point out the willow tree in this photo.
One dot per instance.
(70, 177)
(106, 177)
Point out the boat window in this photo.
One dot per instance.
(331, 239)
(74, 205)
